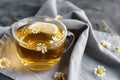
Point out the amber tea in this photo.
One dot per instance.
(40, 41)
(44, 45)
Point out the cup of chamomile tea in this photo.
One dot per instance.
(40, 41)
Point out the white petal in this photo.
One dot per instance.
(38, 49)
(43, 51)
(99, 66)
(95, 72)
(1, 66)
(51, 41)
(98, 75)
(104, 69)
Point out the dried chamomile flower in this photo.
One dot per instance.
(4, 63)
(100, 71)
(117, 49)
(105, 44)
(35, 31)
(41, 47)
(59, 17)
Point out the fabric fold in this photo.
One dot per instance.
(85, 55)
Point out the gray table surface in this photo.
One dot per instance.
(96, 10)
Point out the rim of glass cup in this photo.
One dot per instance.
(22, 42)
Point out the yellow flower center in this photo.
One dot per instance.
(59, 18)
(100, 71)
(117, 48)
(36, 30)
(4, 63)
(104, 45)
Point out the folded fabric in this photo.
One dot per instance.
(84, 56)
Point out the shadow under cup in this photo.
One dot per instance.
(40, 51)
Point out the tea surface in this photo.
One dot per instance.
(44, 43)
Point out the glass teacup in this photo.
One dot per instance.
(40, 41)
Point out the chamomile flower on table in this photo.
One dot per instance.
(4, 63)
(100, 71)
(117, 49)
(59, 17)
(105, 44)
(58, 76)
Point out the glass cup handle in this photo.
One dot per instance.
(69, 41)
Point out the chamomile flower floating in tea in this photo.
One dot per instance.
(58, 76)
(41, 47)
(105, 44)
(44, 27)
(59, 17)
(35, 30)
(4, 63)
(100, 71)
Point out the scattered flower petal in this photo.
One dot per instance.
(100, 71)
(4, 63)
(58, 76)
(105, 44)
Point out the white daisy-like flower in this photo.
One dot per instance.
(36, 30)
(100, 71)
(59, 17)
(58, 76)
(41, 47)
(4, 63)
(105, 44)
(55, 39)
(117, 49)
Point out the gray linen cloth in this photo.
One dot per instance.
(85, 55)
